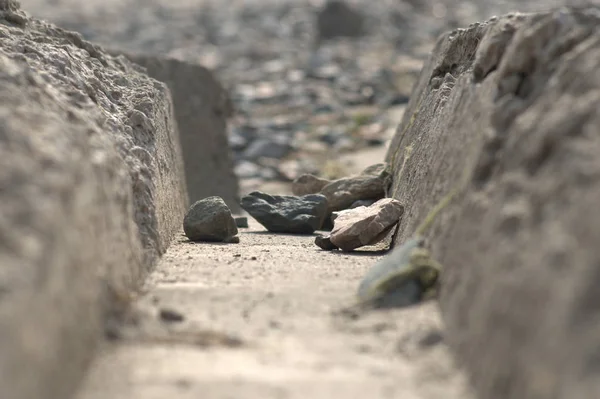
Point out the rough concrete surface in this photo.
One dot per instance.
(276, 293)
(90, 192)
(513, 102)
(202, 108)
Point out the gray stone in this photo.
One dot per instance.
(378, 169)
(308, 184)
(276, 147)
(241, 221)
(237, 142)
(408, 293)
(92, 192)
(247, 169)
(324, 242)
(209, 219)
(354, 228)
(170, 316)
(286, 213)
(371, 184)
(359, 203)
(512, 104)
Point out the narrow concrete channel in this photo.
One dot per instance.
(263, 316)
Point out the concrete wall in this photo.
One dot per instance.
(514, 103)
(91, 192)
(202, 108)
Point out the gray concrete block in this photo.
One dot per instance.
(91, 192)
(202, 108)
(513, 103)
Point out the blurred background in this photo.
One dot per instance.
(317, 86)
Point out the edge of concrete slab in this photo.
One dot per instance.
(92, 193)
(509, 105)
(202, 108)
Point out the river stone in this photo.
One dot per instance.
(308, 184)
(210, 220)
(287, 213)
(357, 227)
(342, 193)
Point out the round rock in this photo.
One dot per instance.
(210, 219)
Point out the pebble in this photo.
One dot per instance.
(210, 220)
(241, 221)
(308, 184)
(170, 316)
(324, 242)
(268, 148)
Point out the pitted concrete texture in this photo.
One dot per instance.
(91, 192)
(513, 102)
(202, 108)
(277, 294)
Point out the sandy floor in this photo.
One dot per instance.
(276, 294)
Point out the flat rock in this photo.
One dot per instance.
(513, 103)
(371, 184)
(209, 219)
(287, 213)
(308, 184)
(357, 227)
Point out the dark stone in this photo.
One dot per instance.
(170, 316)
(209, 220)
(324, 243)
(241, 221)
(338, 19)
(286, 213)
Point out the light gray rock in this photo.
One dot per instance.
(209, 219)
(286, 213)
(359, 203)
(92, 191)
(369, 185)
(247, 169)
(514, 103)
(276, 147)
(308, 184)
(354, 228)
